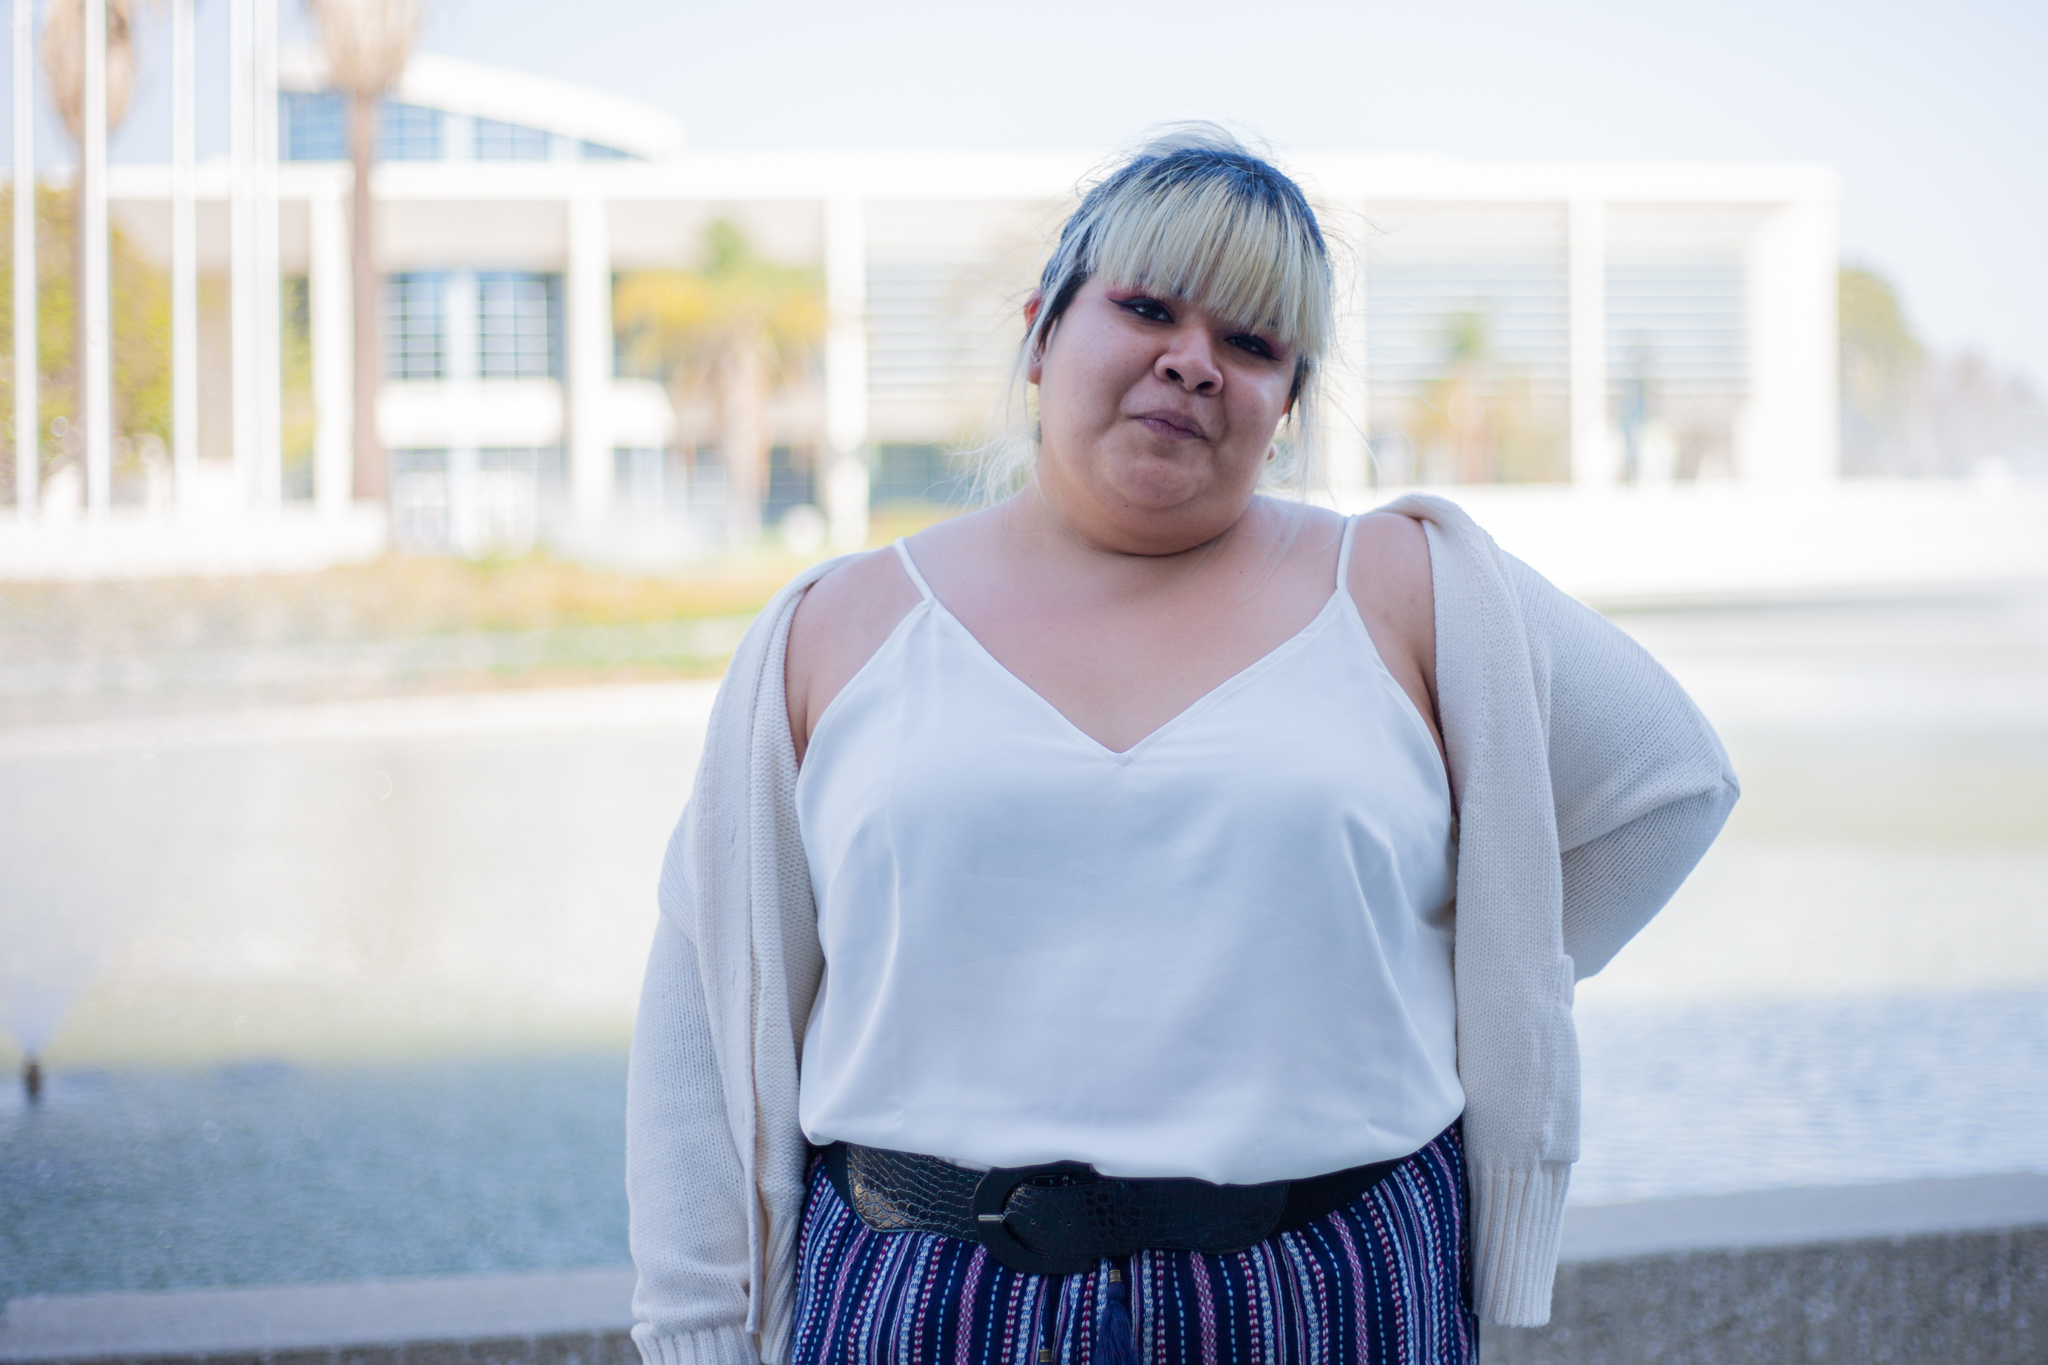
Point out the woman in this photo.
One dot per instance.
(1087, 993)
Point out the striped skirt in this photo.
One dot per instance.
(1385, 1278)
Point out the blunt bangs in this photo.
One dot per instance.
(1190, 215)
(1197, 217)
(1225, 240)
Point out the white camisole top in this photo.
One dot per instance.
(1222, 953)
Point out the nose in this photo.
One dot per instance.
(1189, 360)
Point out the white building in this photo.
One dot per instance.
(1598, 323)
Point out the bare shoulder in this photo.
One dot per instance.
(1390, 570)
(866, 591)
(1390, 582)
(840, 623)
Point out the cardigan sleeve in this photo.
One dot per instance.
(1640, 781)
(684, 1183)
(714, 1152)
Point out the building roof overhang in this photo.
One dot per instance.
(494, 92)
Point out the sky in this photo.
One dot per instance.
(1936, 116)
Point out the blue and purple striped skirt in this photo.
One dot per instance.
(1385, 1278)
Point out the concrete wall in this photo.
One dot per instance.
(577, 1317)
(1980, 1298)
(1915, 1273)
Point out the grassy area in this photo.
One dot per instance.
(393, 598)
(396, 597)
(403, 623)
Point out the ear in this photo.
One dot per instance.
(1034, 365)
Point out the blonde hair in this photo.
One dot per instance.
(1191, 214)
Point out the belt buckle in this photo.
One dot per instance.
(992, 1213)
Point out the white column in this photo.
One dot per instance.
(460, 368)
(1346, 456)
(269, 320)
(96, 401)
(243, 365)
(333, 337)
(1593, 462)
(588, 348)
(846, 374)
(184, 263)
(1790, 431)
(28, 421)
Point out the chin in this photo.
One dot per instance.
(1159, 495)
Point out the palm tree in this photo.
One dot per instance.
(64, 64)
(367, 43)
(740, 322)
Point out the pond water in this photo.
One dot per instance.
(263, 1173)
(338, 991)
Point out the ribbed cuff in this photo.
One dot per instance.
(712, 1346)
(1516, 1218)
(778, 1304)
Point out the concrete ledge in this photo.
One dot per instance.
(1783, 1218)
(1922, 1271)
(1926, 1272)
(576, 1317)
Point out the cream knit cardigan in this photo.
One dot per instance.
(1588, 785)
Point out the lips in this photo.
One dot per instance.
(1172, 426)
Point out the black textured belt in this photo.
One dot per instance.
(1060, 1219)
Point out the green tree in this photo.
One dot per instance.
(300, 414)
(142, 333)
(1482, 421)
(737, 325)
(1883, 367)
(64, 66)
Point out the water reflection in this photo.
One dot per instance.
(349, 880)
(266, 1172)
(343, 989)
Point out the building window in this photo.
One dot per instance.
(414, 340)
(1468, 344)
(640, 483)
(1677, 334)
(918, 474)
(597, 151)
(497, 141)
(516, 313)
(315, 125)
(419, 500)
(410, 132)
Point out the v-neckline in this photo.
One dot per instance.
(1123, 757)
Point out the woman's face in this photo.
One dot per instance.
(1156, 417)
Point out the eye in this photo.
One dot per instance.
(1256, 345)
(1152, 310)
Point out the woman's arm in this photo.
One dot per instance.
(714, 1152)
(1641, 782)
(1615, 883)
(684, 1184)
(842, 620)
(1390, 583)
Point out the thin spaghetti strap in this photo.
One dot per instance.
(1344, 553)
(910, 567)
